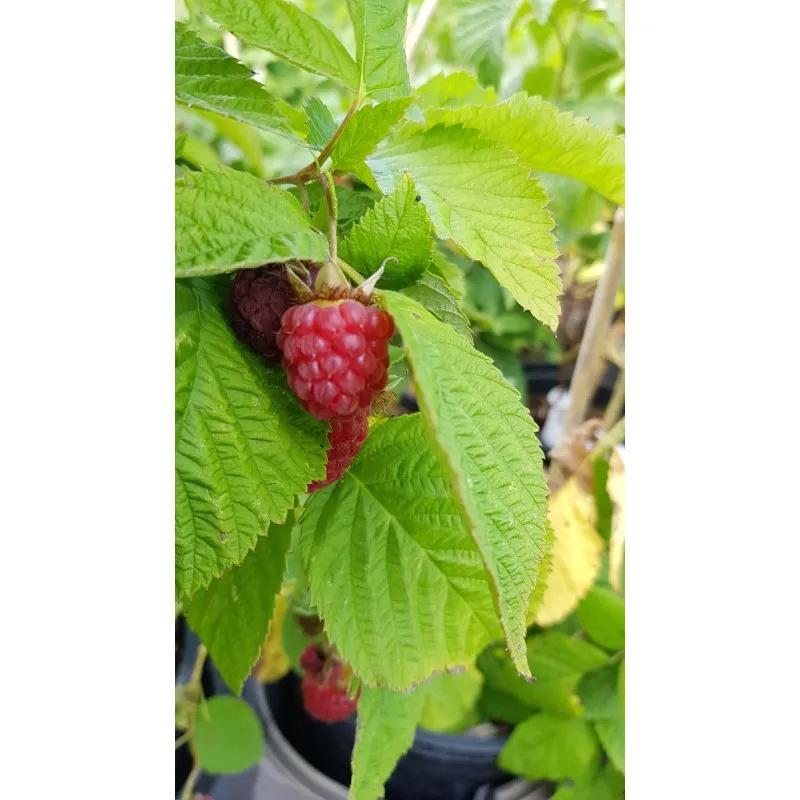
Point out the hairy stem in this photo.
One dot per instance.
(589, 363)
(303, 189)
(614, 408)
(326, 179)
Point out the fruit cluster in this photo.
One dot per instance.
(334, 349)
(325, 686)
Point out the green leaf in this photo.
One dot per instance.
(180, 141)
(548, 141)
(365, 130)
(228, 736)
(387, 722)
(431, 292)
(500, 706)
(605, 112)
(507, 362)
(244, 448)
(321, 126)
(396, 226)
(574, 206)
(607, 784)
(450, 272)
(478, 194)
(232, 616)
(611, 733)
(398, 371)
(556, 661)
(479, 35)
(621, 688)
(207, 77)
(243, 135)
(456, 89)
(295, 641)
(487, 444)
(289, 32)
(544, 747)
(598, 693)
(602, 616)
(351, 205)
(199, 154)
(449, 700)
(391, 568)
(379, 27)
(226, 220)
(602, 499)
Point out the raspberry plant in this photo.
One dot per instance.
(433, 542)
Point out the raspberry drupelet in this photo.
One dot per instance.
(346, 438)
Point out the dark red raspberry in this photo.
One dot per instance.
(312, 660)
(259, 299)
(327, 702)
(346, 438)
(336, 355)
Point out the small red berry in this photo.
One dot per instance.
(259, 299)
(312, 660)
(327, 702)
(346, 438)
(336, 355)
(324, 685)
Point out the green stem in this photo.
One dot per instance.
(197, 669)
(188, 787)
(351, 272)
(326, 179)
(314, 169)
(180, 742)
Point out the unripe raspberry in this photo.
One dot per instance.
(346, 438)
(259, 299)
(336, 355)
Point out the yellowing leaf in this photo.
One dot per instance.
(274, 663)
(577, 552)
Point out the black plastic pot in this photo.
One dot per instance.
(186, 643)
(541, 377)
(437, 767)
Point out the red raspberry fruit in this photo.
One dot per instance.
(327, 702)
(346, 438)
(324, 686)
(336, 355)
(259, 299)
(312, 660)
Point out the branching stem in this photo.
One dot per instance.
(188, 787)
(314, 169)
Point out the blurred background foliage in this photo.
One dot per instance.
(570, 52)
